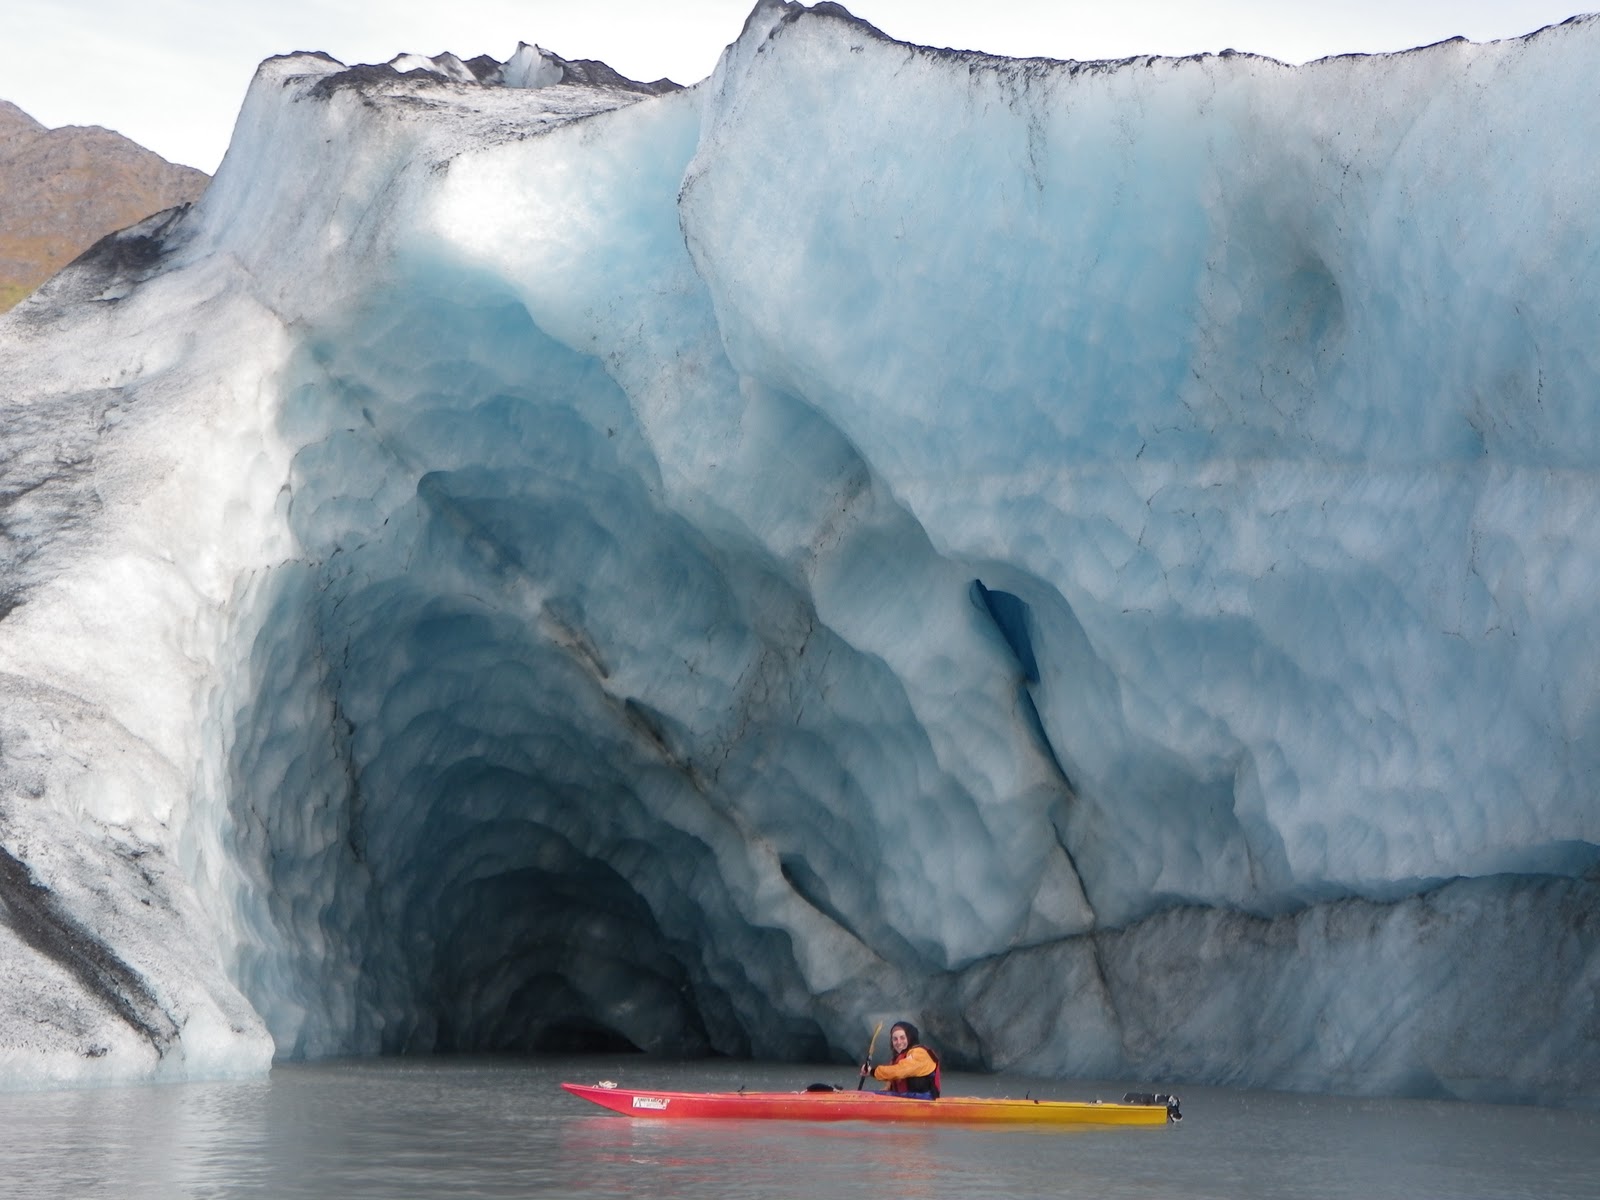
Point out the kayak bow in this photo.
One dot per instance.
(1134, 1109)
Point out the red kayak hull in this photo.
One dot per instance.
(867, 1106)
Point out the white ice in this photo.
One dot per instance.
(1096, 556)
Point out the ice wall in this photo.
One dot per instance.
(1092, 556)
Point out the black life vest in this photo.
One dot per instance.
(918, 1085)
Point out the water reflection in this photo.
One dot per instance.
(766, 1158)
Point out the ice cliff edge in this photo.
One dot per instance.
(1097, 555)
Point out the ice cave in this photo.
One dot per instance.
(1098, 557)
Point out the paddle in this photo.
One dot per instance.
(864, 1062)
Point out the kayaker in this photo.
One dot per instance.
(914, 1070)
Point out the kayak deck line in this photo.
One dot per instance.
(1133, 1109)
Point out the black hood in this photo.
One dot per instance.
(913, 1038)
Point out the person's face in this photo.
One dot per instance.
(897, 1039)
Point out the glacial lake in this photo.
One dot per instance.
(403, 1128)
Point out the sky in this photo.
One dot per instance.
(171, 74)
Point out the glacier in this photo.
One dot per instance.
(1096, 557)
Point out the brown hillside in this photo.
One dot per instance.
(62, 190)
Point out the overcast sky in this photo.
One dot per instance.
(171, 73)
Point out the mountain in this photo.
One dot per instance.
(67, 188)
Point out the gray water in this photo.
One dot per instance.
(402, 1128)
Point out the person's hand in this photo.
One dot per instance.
(866, 1067)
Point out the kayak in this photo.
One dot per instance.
(1136, 1108)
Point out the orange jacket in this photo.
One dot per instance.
(913, 1064)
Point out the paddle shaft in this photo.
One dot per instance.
(863, 1076)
